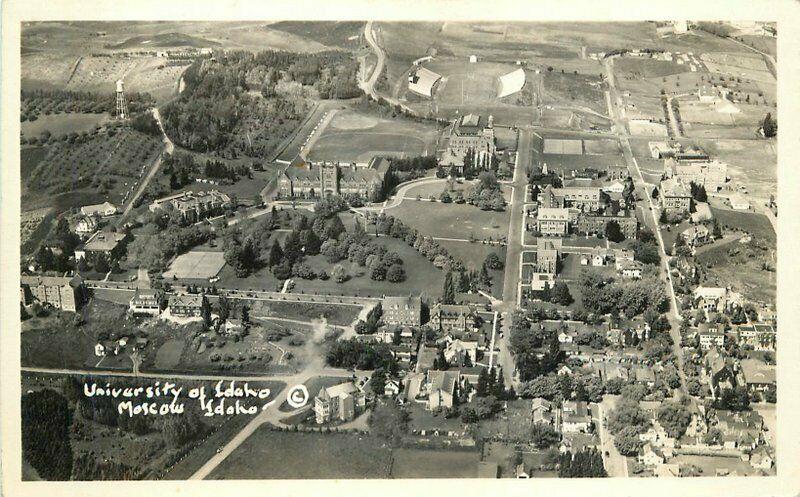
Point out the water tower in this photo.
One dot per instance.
(122, 107)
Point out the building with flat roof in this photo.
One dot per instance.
(546, 257)
(713, 175)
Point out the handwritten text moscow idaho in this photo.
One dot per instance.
(226, 399)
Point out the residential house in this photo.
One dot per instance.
(110, 244)
(338, 403)
(651, 456)
(145, 302)
(233, 326)
(65, 293)
(392, 387)
(542, 411)
(758, 376)
(187, 306)
(452, 317)
(458, 351)
(86, 227)
(575, 417)
(402, 311)
(413, 384)
(194, 206)
(631, 270)
(760, 458)
(760, 336)
(696, 236)
(644, 375)
(711, 299)
(711, 335)
(442, 388)
(103, 210)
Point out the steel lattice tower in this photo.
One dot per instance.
(122, 106)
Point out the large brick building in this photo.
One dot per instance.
(67, 294)
(194, 206)
(305, 180)
(713, 175)
(675, 197)
(447, 317)
(591, 224)
(470, 133)
(402, 311)
(552, 221)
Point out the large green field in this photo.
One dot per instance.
(270, 454)
(62, 124)
(424, 463)
(452, 220)
(355, 137)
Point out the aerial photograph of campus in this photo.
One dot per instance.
(368, 249)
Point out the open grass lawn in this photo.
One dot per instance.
(29, 157)
(473, 255)
(62, 124)
(452, 220)
(55, 341)
(574, 89)
(750, 162)
(338, 314)
(645, 67)
(270, 454)
(329, 33)
(357, 137)
(421, 275)
(425, 463)
(754, 223)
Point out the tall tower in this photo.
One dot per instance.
(122, 107)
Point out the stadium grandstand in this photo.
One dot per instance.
(511, 83)
(422, 81)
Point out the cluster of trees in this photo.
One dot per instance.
(182, 169)
(733, 399)
(46, 420)
(614, 232)
(405, 169)
(587, 463)
(527, 342)
(645, 248)
(389, 421)
(370, 326)
(675, 417)
(556, 387)
(357, 354)
(426, 246)
(158, 242)
(487, 194)
(87, 467)
(607, 296)
(463, 282)
(559, 294)
(698, 192)
(626, 422)
(217, 112)
(144, 122)
(38, 102)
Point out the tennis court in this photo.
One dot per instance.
(196, 265)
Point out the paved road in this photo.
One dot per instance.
(169, 147)
(271, 414)
(645, 192)
(511, 281)
(369, 85)
(615, 463)
(399, 196)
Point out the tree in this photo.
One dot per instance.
(45, 434)
(378, 382)
(675, 418)
(614, 232)
(769, 126)
(338, 273)
(389, 421)
(493, 261)
(543, 436)
(224, 307)
(448, 289)
(396, 273)
(560, 294)
(275, 254)
(627, 441)
(628, 414)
